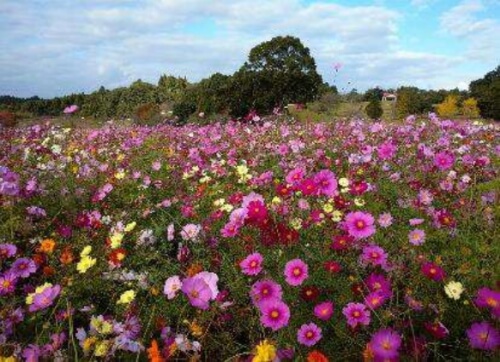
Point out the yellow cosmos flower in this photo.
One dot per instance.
(126, 297)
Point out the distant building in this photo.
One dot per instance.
(390, 97)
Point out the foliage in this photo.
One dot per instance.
(449, 107)
(183, 110)
(470, 108)
(373, 93)
(487, 92)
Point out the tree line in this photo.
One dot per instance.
(277, 72)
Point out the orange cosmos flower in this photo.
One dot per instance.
(154, 353)
(47, 246)
(316, 356)
(66, 256)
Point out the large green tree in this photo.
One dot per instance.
(278, 72)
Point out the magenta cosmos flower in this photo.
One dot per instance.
(7, 283)
(309, 334)
(356, 313)
(198, 292)
(360, 224)
(274, 314)
(483, 336)
(386, 151)
(252, 264)
(326, 183)
(324, 311)
(433, 271)
(45, 298)
(487, 298)
(444, 160)
(296, 272)
(264, 291)
(385, 344)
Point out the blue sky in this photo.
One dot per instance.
(57, 47)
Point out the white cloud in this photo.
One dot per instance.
(64, 46)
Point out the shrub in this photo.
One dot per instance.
(448, 108)
(374, 109)
(8, 119)
(470, 108)
(183, 110)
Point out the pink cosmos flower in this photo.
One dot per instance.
(415, 222)
(211, 279)
(356, 313)
(309, 334)
(416, 237)
(385, 220)
(252, 264)
(374, 255)
(483, 336)
(190, 231)
(296, 271)
(379, 283)
(295, 176)
(172, 286)
(7, 283)
(275, 314)
(198, 292)
(324, 311)
(360, 224)
(386, 151)
(326, 183)
(444, 160)
(265, 290)
(230, 230)
(170, 232)
(385, 345)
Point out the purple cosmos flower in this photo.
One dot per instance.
(32, 353)
(7, 250)
(265, 290)
(324, 311)
(252, 264)
(23, 267)
(274, 314)
(309, 334)
(360, 224)
(374, 255)
(385, 344)
(296, 272)
(483, 336)
(416, 237)
(326, 183)
(45, 299)
(198, 292)
(356, 313)
(7, 283)
(444, 160)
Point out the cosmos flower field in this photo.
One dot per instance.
(338, 241)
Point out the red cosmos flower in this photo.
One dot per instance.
(332, 266)
(358, 188)
(341, 242)
(282, 190)
(444, 218)
(308, 187)
(257, 212)
(286, 235)
(116, 257)
(437, 329)
(309, 293)
(340, 202)
(433, 271)
(357, 289)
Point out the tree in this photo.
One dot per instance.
(409, 101)
(470, 108)
(278, 72)
(449, 107)
(487, 92)
(171, 89)
(374, 108)
(372, 93)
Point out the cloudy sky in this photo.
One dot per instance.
(56, 47)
